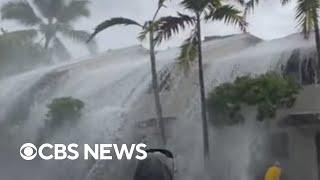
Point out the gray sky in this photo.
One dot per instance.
(270, 20)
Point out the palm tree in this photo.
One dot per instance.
(306, 16)
(207, 10)
(147, 28)
(50, 18)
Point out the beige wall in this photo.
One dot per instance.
(302, 155)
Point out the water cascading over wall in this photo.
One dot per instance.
(115, 90)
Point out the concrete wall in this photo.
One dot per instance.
(302, 159)
(302, 155)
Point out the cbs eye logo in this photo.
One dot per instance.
(28, 151)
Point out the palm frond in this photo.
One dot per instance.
(215, 3)
(196, 5)
(167, 26)
(60, 50)
(249, 5)
(306, 24)
(20, 11)
(81, 37)
(304, 15)
(113, 22)
(143, 34)
(161, 3)
(73, 11)
(189, 4)
(229, 14)
(285, 2)
(76, 35)
(189, 52)
(49, 8)
(51, 29)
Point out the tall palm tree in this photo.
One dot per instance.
(50, 19)
(306, 16)
(201, 10)
(147, 28)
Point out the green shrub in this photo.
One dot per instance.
(267, 92)
(62, 110)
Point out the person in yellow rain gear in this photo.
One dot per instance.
(274, 172)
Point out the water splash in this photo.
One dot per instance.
(115, 89)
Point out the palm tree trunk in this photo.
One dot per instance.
(317, 39)
(155, 85)
(47, 41)
(203, 96)
(48, 35)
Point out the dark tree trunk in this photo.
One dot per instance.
(203, 96)
(155, 85)
(317, 39)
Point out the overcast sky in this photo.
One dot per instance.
(269, 21)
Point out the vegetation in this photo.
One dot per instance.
(55, 20)
(19, 52)
(201, 10)
(267, 92)
(307, 14)
(61, 111)
(147, 29)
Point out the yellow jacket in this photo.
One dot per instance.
(273, 173)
